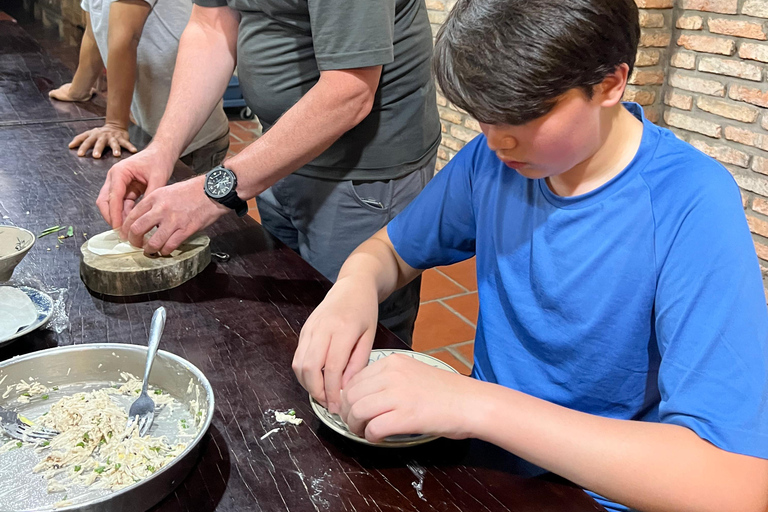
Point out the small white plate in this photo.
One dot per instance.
(44, 304)
(335, 423)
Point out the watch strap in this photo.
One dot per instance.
(233, 201)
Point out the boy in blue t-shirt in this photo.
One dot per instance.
(622, 340)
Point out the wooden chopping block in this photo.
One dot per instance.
(134, 273)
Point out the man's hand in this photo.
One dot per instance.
(399, 395)
(336, 340)
(178, 211)
(67, 93)
(128, 179)
(98, 138)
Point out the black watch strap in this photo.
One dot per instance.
(233, 201)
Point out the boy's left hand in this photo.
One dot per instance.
(400, 395)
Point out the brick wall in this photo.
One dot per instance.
(701, 71)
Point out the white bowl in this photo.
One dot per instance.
(14, 245)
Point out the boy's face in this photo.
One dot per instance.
(553, 144)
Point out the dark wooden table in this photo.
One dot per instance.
(239, 323)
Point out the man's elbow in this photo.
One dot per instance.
(360, 106)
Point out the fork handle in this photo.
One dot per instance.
(155, 331)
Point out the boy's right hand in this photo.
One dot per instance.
(336, 340)
(131, 178)
(67, 93)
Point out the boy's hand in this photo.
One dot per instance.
(400, 395)
(67, 93)
(98, 138)
(336, 340)
(128, 179)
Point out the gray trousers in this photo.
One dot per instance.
(205, 158)
(324, 221)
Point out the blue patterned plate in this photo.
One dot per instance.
(44, 304)
(335, 423)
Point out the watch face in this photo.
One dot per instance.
(219, 183)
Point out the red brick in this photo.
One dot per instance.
(694, 84)
(652, 114)
(721, 6)
(462, 133)
(749, 95)
(450, 115)
(643, 77)
(685, 60)
(725, 109)
(641, 96)
(660, 39)
(746, 137)
(647, 57)
(722, 153)
(762, 253)
(689, 23)
(452, 143)
(441, 100)
(655, 4)
(757, 226)
(472, 124)
(733, 68)
(760, 164)
(754, 51)
(651, 19)
(757, 8)
(764, 121)
(737, 28)
(760, 205)
(707, 44)
(692, 124)
(678, 100)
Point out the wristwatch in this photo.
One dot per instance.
(220, 185)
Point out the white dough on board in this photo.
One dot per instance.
(108, 243)
(16, 311)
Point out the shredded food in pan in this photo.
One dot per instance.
(94, 449)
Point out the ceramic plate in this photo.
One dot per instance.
(44, 304)
(335, 423)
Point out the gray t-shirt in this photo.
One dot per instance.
(155, 61)
(284, 44)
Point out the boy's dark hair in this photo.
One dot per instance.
(508, 61)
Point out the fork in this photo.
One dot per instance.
(142, 411)
(18, 429)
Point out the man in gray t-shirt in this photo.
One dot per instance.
(343, 88)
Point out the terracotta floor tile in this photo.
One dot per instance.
(467, 351)
(253, 210)
(449, 359)
(463, 273)
(235, 146)
(436, 286)
(465, 305)
(241, 133)
(437, 327)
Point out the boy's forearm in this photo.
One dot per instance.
(89, 65)
(375, 261)
(647, 466)
(121, 79)
(204, 65)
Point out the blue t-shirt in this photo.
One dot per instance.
(640, 300)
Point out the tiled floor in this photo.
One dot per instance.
(445, 327)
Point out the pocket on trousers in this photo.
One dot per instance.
(374, 196)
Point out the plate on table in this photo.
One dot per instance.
(44, 305)
(335, 423)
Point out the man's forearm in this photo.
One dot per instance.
(121, 79)
(647, 466)
(89, 65)
(204, 65)
(337, 103)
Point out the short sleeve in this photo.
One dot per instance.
(350, 34)
(86, 5)
(712, 324)
(210, 3)
(438, 227)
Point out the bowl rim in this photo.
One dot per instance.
(22, 252)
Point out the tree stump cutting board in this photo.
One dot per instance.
(134, 273)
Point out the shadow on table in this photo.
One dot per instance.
(206, 484)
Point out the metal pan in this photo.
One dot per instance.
(93, 366)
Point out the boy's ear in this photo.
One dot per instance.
(611, 89)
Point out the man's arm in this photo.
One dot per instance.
(89, 68)
(339, 101)
(126, 23)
